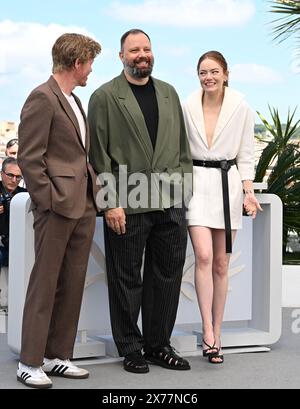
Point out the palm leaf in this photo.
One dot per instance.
(265, 161)
(282, 156)
(289, 24)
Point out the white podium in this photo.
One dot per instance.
(253, 309)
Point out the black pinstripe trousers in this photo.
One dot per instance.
(163, 236)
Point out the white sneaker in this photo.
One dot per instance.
(66, 369)
(34, 377)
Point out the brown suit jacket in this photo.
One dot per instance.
(51, 154)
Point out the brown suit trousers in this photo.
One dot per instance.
(50, 319)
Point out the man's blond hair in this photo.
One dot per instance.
(71, 46)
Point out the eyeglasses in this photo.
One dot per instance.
(12, 142)
(12, 175)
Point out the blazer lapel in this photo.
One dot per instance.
(87, 134)
(232, 100)
(194, 105)
(163, 119)
(67, 107)
(136, 117)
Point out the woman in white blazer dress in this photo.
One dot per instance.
(220, 126)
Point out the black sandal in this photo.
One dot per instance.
(212, 358)
(135, 363)
(167, 358)
(212, 348)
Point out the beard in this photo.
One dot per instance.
(135, 72)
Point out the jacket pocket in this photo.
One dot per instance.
(62, 186)
(63, 171)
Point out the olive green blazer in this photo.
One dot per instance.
(119, 136)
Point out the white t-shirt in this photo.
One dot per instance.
(79, 116)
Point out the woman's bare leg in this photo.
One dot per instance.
(203, 248)
(220, 280)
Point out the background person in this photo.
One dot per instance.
(11, 151)
(10, 178)
(220, 127)
(12, 148)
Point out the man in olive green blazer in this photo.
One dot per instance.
(138, 137)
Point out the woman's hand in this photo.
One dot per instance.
(251, 204)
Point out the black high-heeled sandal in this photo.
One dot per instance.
(216, 358)
(213, 350)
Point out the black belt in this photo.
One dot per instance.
(224, 165)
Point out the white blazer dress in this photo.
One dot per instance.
(233, 138)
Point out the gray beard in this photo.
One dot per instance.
(138, 73)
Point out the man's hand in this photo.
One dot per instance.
(116, 220)
(1, 209)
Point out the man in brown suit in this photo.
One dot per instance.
(53, 156)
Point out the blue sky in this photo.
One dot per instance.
(266, 72)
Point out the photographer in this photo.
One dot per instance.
(11, 177)
(12, 148)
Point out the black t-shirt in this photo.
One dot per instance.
(146, 98)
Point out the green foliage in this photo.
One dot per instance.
(282, 156)
(289, 24)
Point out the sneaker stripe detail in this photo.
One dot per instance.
(25, 376)
(61, 369)
(64, 368)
